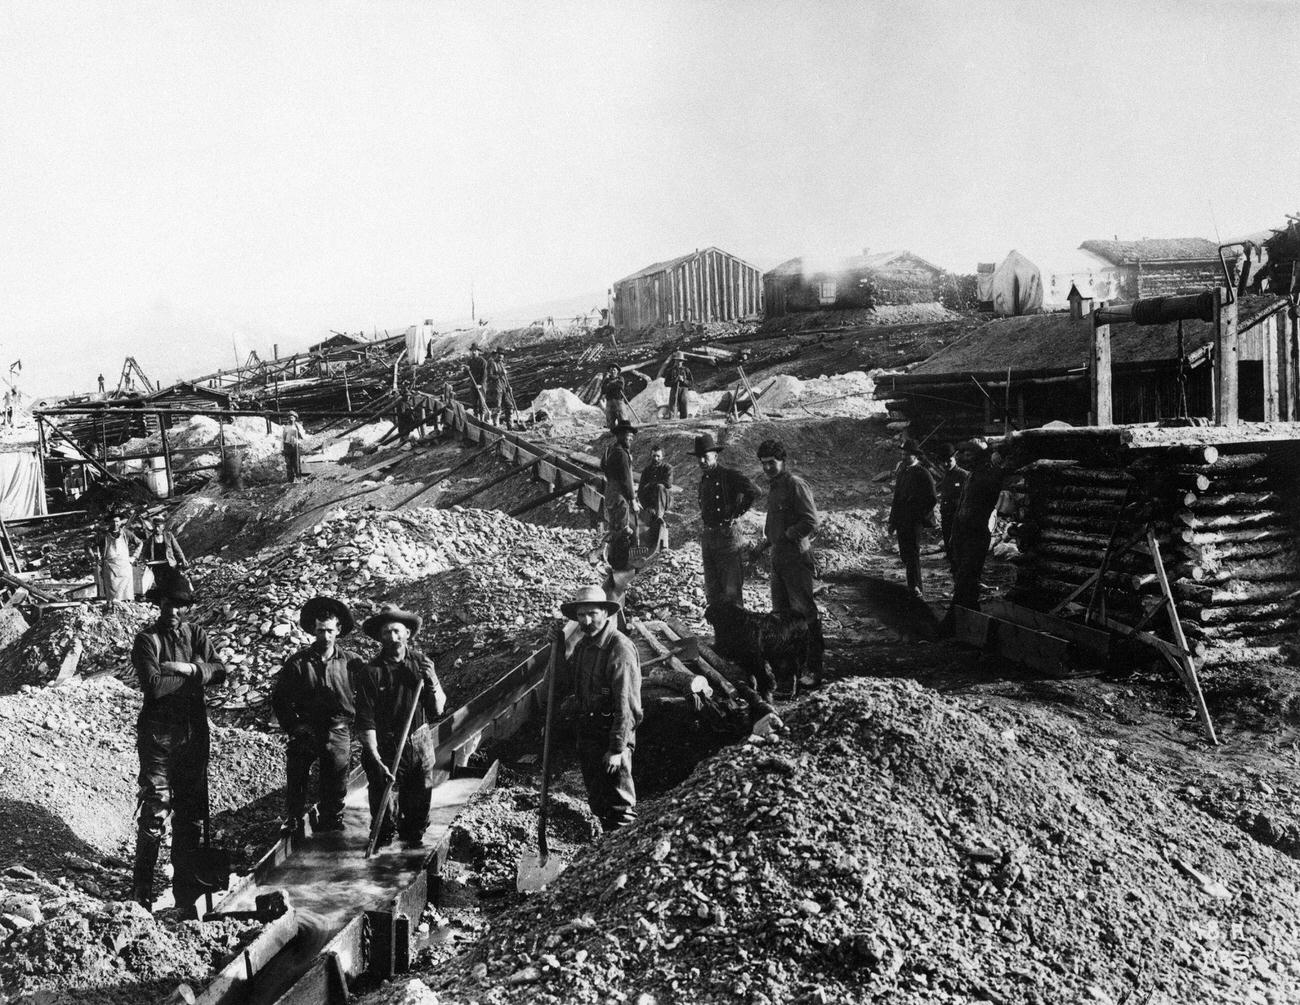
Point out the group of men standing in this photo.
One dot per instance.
(490, 395)
(677, 379)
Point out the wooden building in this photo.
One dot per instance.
(1020, 373)
(708, 285)
(1156, 267)
(861, 281)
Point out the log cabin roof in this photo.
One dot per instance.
(1166, 249)
(1053, 342)
(852, 264)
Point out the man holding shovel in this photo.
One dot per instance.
(386, 692)
(604, 673)
(175, 663)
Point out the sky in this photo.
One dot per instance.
(187, 182)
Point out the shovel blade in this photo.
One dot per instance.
(536, 872)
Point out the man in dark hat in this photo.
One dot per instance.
(476, 367)
(951, 484)
(791, 522)
(498, 382)
(912, 511)
(312, 700)
(621, 504)
(385, 696)
(725, 496)
(613, 388)
(678, 380)
(604, 673)
(175, 663)
(291, 436)
(970, 531)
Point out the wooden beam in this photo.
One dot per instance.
(1100, 400)
(1226, 352)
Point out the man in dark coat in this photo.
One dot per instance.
(950, 489)
(678, 380)
(385, 691)
(970, 531)
(312, 700)
(175, 663)
(476, 368)
(604, 673)
(791, 522)
(653, 492)
(613, 388)
(725, 496)
(912, 511)
(498, 386)
(621, 504)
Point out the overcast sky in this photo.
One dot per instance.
(178, 179)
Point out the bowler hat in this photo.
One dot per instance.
(171, 585)
(705, 443)
(910, 446)
(588, 596)
(386, 616)
(623, 426)
(319, 608)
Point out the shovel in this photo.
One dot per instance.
(377, 824)
(211, 866)
(685, 650)
(536, 871)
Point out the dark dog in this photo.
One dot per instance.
(768, 647)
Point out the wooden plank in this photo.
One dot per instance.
(1189, 668)
(1226, 352)
(1092, 641)
(1101, 396)
(970, 627)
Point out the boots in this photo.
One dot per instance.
(146, 858)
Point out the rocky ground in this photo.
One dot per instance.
(934, 826)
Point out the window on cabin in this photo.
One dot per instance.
(826, 291)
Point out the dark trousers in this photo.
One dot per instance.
(292, 462)
(909, 550)
(611, 795)
(408, 814)
(174, 776)
(677, 402)
(329, 745)
(724, 575)
(792, 590)
(969, 549)
(654, 506)
(946, 519)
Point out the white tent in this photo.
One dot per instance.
(1017, 286)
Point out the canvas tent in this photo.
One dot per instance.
(22, 481)
(1017, 286)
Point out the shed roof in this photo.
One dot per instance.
(671, 263)
(1189, 249)
(1053, 342)
(853, 263)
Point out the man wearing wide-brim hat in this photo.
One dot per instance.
(604, 673)
(613, 388)
(725, 496)
(911, 511)
(971, 535)
(621, 503)
(385, 696)
(678, 380)
(175, 663)
(476, 367)
(312, 700)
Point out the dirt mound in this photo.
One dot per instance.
(898, 846)
(563, 406)
(75, 641)
(848, 394)
(260, 446)
(849, 542)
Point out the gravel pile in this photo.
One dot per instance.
(897, 846)
(262, 450)
(75, 641)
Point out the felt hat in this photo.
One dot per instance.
(705, 443)
(387, 615)
(325, 607)
(588, 596)
(172, 585)
(910, 446)
(679, 355)
(623, 426)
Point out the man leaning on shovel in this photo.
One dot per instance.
(312, 700)
(604, 672)
(386, 689)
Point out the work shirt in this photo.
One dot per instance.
(613, 388)
(291, 433)
(167, 551)
(791, 512)
(170, 697)
(605, 671)
(384, 689)
(653, 476)
(913, 496)
(496, 371)
(616, 466)
(311, 690)
(979, 497)
(477, 367)
(678, 375)
(106, 543)
(950, 488)
(725, 494)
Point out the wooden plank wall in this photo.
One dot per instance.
(710, 286)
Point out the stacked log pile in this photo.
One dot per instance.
(1224, 523)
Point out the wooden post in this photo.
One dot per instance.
(221, 441)
(1099, 377)
(1225, 361)
(1287, 363)
(347, 393)
(167, 456)
(1273, 387)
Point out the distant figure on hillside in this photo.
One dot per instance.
(499, 399)
(950, 489)
(613, 388)
(678, 380)
(113, 551)
(161, 553)
(291, 436)
(476, 368)
(912, 511)
(653, 492)
(101, 383)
